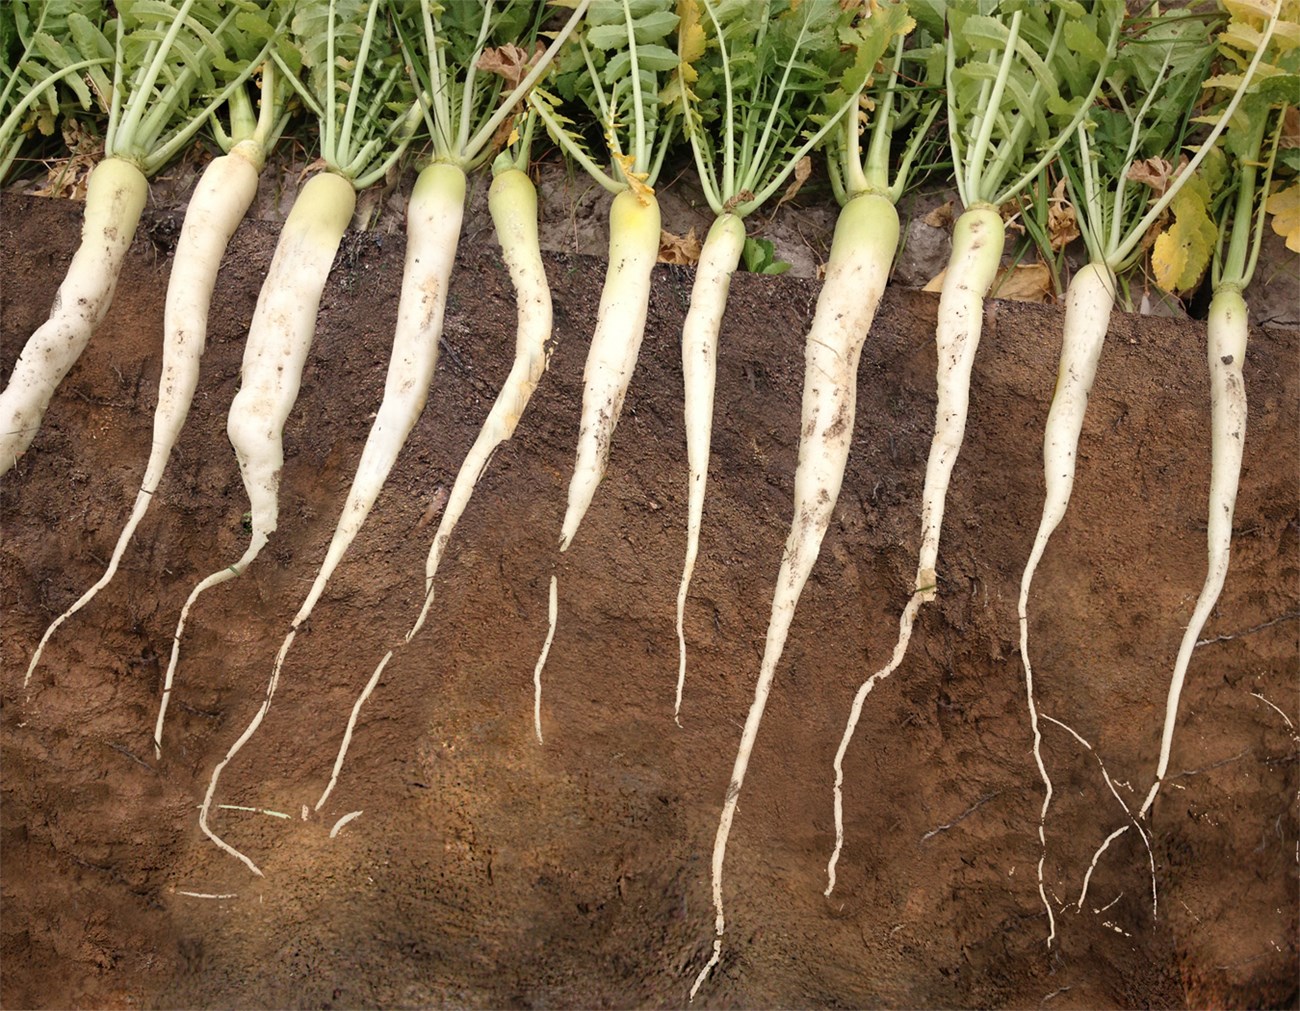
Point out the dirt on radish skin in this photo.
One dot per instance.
(488, 872)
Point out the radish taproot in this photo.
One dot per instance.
(617, 72)
(512, 201)
(861, 257)
(359, 144)
(1152, 85)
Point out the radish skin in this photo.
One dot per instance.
(719, 259)
(1088, 305)
(512, 201)
(279, 339)
(115, 196)
(220, 201)
(976, 254)
(433, 220)
(615, 343)
(866, 238)
(1227, 331)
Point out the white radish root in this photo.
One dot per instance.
(433, 220)
(866, 238)
(220, 201)
(115, 196)
(279, 339)
(1088, 305)
(976, 254)
(1227, 331)
(718, 261)
(512, 201)
(615, 343)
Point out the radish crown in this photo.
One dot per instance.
(762, 84)
(619, 72)
(463, 109)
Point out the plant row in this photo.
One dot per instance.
(1162, 139)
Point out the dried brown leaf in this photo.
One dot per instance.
(801, 173)
(679, 249)
(510, 61)
(1062, 222)
(1153, 172)
(940, 217)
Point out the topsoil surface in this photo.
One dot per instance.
(489, 871)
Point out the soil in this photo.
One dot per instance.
(489, 871)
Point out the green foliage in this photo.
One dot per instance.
(620, 71)
(445, 44)
(767, 81)
(41, 42)
(355, 83)
(759, 257)
(1125, 159)
(1020, 75)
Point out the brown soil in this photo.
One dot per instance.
(487, 871)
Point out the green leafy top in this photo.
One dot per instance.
(762, 82)
(619, 70)
(1133, 135)
(355, 84)
(173, 63)
(37, 46)
(449, 45)
(897, 100)
(1018, 83)
(1261, 43)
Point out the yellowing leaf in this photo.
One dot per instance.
(690, 37)
(635, 180)
(1182, 253)
(1284, 205)
(1261, 9)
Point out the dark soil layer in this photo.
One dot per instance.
(487, 871)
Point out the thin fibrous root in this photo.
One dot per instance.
(338, 825)
(900, 650)
(234, 750)
(352, 724)
(1133, 823)
(552, 614)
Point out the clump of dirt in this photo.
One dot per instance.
(486, 871)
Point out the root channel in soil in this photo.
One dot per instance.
(486, 871)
